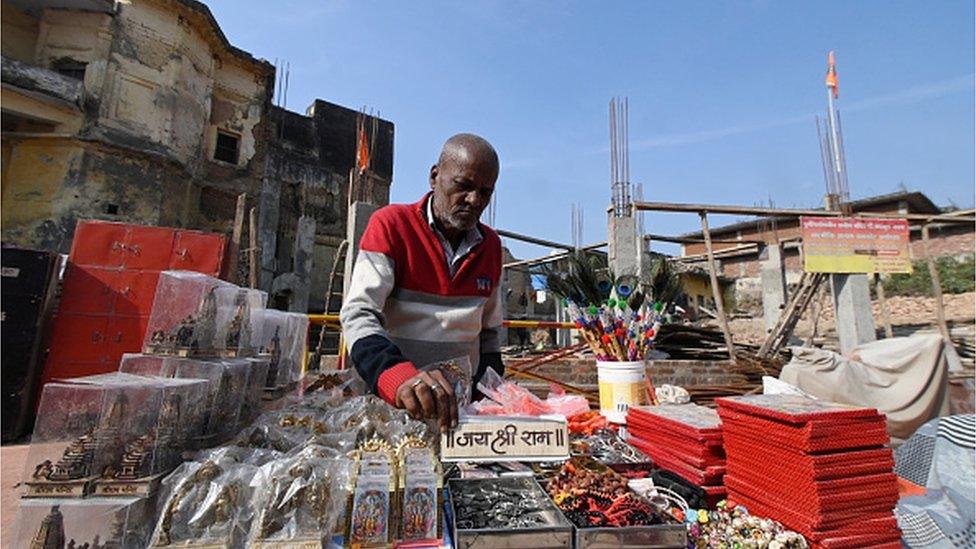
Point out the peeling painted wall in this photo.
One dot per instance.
(237, 106)
(50, 183)
(136, 142)
(18, 34)
(159, 79)
(84, 37)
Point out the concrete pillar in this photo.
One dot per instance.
(268, 206)
(646, 259)
(852, 306)
(359, 214)
(772, 275)
(563, 338)
(624, 253)
(303, 255)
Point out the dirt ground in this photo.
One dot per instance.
(903, 311)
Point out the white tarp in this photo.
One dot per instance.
(904, 377)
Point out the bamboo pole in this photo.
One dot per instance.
(883, 303)
(716, 289)
(235, 239)
(936, 286)
(252, 250)
(330, 290)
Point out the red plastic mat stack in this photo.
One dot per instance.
(683, 438)
(820, 468)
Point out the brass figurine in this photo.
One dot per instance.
(199, 479)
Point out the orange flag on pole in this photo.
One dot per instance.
(362, 147)
(831, 80)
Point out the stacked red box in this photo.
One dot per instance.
(683, 438)
(822, 469)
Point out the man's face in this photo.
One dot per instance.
(462, 189)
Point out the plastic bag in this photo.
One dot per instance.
(206, 501)
(341, 383)
(267, 432)
(510, 399)
(227, 455)
(514, 399)
(568, 405)
(299, 497)
(672, 394)
(458, 373)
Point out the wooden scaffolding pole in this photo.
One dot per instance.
(936, 286)
(252, 251)
(234, 253)
(716, 289)
(883, 304)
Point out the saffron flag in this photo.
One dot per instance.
(831, 80)
(362, 148)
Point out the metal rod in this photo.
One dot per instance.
(533, 240)
(551, 258)
(284, 97)
(844, 190)
(716, 289)
(825, 159)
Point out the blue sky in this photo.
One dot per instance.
(722, 95)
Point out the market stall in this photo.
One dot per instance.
(191, 444)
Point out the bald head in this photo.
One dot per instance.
(468, 147)
(463, 181)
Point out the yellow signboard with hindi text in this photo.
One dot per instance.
(855, 245)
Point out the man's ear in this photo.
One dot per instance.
(433, 175)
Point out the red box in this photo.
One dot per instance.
(109, 286)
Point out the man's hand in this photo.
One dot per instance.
(429, 395)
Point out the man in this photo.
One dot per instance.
(425, 286)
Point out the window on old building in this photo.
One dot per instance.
(70, 68)
(227, 146)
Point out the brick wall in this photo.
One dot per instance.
(582, 373)
(686, 373)
(945, 241)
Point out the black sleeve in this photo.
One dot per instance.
(488, 360)
(372, 355)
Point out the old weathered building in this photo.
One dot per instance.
(143, 112)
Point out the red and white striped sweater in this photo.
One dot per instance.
(404, 309)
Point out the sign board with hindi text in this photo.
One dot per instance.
(502, 438)
(855, 245)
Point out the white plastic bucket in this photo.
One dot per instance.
(621, 386)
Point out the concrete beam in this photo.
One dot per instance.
(776, 212)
